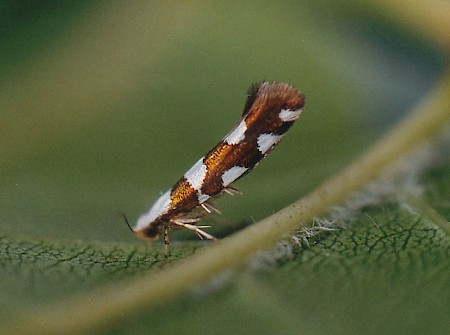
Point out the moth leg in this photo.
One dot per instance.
(232, 191)
(203, 227)
(200, 233)
(210, 208)
(186, 220)
(166, 242)
(166, 235)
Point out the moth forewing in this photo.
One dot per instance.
(270, 110)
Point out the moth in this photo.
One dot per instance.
(270, 110)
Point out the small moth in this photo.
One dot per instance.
(270, 110)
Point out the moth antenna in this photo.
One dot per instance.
(123, 215)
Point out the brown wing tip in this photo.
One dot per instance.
(287, 95)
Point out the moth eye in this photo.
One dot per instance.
(152, 232)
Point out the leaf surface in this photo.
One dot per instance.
(118, 101)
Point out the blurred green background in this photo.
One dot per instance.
(104, 105)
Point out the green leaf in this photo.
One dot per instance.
(388, 271)
(119, 100)
(384, 274)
